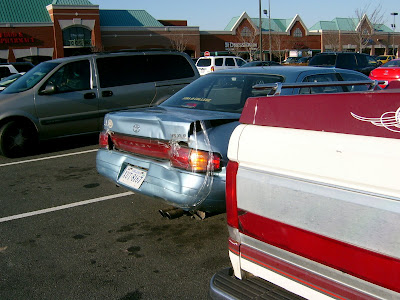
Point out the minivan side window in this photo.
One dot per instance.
(219, 62)
(74, 76)
(229, 62)
(134, 69)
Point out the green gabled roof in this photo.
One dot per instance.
(22, 11)
(33, 11)
(277, 25)
(126, 18)
(345, 24)
(71, 2)
(231, 23)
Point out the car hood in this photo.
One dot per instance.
(166, 123)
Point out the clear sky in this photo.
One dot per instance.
(216, 14)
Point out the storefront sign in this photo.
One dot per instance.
(15, 38)
(229, 45)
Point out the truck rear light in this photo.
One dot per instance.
(212, 69)
(231, 195)
(195, 160)
(103, 140)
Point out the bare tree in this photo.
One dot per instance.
(367, 20)
(331, 40)
(179, 42)
(278, 48)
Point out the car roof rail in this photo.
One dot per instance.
(276, 88)
(136, 50)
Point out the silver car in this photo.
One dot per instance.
(176, 151)
(70, 96)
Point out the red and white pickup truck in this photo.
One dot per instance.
(313, 198)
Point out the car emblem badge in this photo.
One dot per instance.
(136, 128)
(110, 123)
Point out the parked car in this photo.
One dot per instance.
(388, 72)
(360, 62)
(71, 95)
(383, 59)
(5, 82)
(177, 151)
(304, 60)
(7, 69)
(208, 64)
(291, 60)
(258, 63)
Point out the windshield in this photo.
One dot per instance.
(30, 78)
(392, 63)
(221, 92)
(10, 79)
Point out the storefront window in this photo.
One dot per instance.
(77, 36)
(297, 33)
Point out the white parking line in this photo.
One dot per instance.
(45, 158)
(66, 206)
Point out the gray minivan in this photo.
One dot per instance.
(70, 96)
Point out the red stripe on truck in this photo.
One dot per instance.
(362, 263)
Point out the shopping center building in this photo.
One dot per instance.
(39, 30)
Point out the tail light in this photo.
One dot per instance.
(231, 195)
(195, 160)
(180, 157)
(103, 140)
(212, 69)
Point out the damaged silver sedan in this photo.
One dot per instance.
(177, 151)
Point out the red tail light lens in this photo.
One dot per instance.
(153, 148)
(103, 140)
(212, 69)
(231, 195)
(180, 157)
(195, 160)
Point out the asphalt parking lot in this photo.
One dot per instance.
(68, 233)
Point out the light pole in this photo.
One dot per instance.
(394, 14)
(260, 28)
(269, 31)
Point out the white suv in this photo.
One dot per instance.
(209, 64)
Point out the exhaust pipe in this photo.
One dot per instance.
(172, 213)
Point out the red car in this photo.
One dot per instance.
(388, 72)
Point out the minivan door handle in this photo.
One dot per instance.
(89, 95)
(106, 93)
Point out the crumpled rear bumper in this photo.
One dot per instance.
(182, 189)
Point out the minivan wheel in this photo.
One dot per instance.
(17, 139)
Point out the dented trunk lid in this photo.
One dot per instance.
(165, 123)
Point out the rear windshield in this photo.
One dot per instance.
(204, 62)
(221, 92)
(323, 60)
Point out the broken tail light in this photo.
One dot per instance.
(103, 140)
(180, 157)
(195, 160)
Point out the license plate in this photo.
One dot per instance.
(133, 177)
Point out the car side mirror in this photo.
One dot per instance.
(49, 89)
